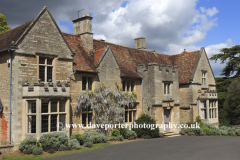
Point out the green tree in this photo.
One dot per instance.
(222, 85)
(232, 102)
(232, 59)
(3, 24)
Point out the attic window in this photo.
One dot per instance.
(45, 69)
(204, 78)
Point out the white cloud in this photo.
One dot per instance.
(210, 12)
(215, 49)
(165, 24)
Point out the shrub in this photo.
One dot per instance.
(206, 130)
(123, 132)
(68, 147)
(224, 130)
(78, 136)
(196, 131)
(199, 121)
(94, 137)
(56, 140)
(216, 132)
(118, 138)
(232, 131)
(75, 144)
(51, 151)
(131, 133)
(238, 132)
(191, 133)
(37, 150)
(187, 130)
(27, 143)
(115, 132)
(144, 118)
(88, 144)
(27, 151)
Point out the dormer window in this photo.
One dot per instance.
(45, 69)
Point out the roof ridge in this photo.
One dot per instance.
(16, 27)
(125, 46)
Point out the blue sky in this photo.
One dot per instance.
(227, 20)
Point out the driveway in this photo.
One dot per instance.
(182, 148)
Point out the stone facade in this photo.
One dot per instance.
(4, 94)
(42, 52)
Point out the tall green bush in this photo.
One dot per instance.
(142, 132)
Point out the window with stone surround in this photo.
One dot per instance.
(130, 113)
(53, 112)
(203, 110)
(212, 109)
(31, 117)
(204, 78)
(86, 83)
(167, 88)
(87, 114)
(45, 69)
(128, 85)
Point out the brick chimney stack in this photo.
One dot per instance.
(83, 27)
(140, 43)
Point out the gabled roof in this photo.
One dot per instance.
(83, 60)
(129, 58)
(6, 38)
(185, 63)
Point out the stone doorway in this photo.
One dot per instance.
(167, 119)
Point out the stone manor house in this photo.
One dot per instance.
(43, 71)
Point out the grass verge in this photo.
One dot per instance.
(97, 146)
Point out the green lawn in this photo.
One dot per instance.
(98, 146)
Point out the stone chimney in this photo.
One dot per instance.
(140, 43)
(83, 27)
